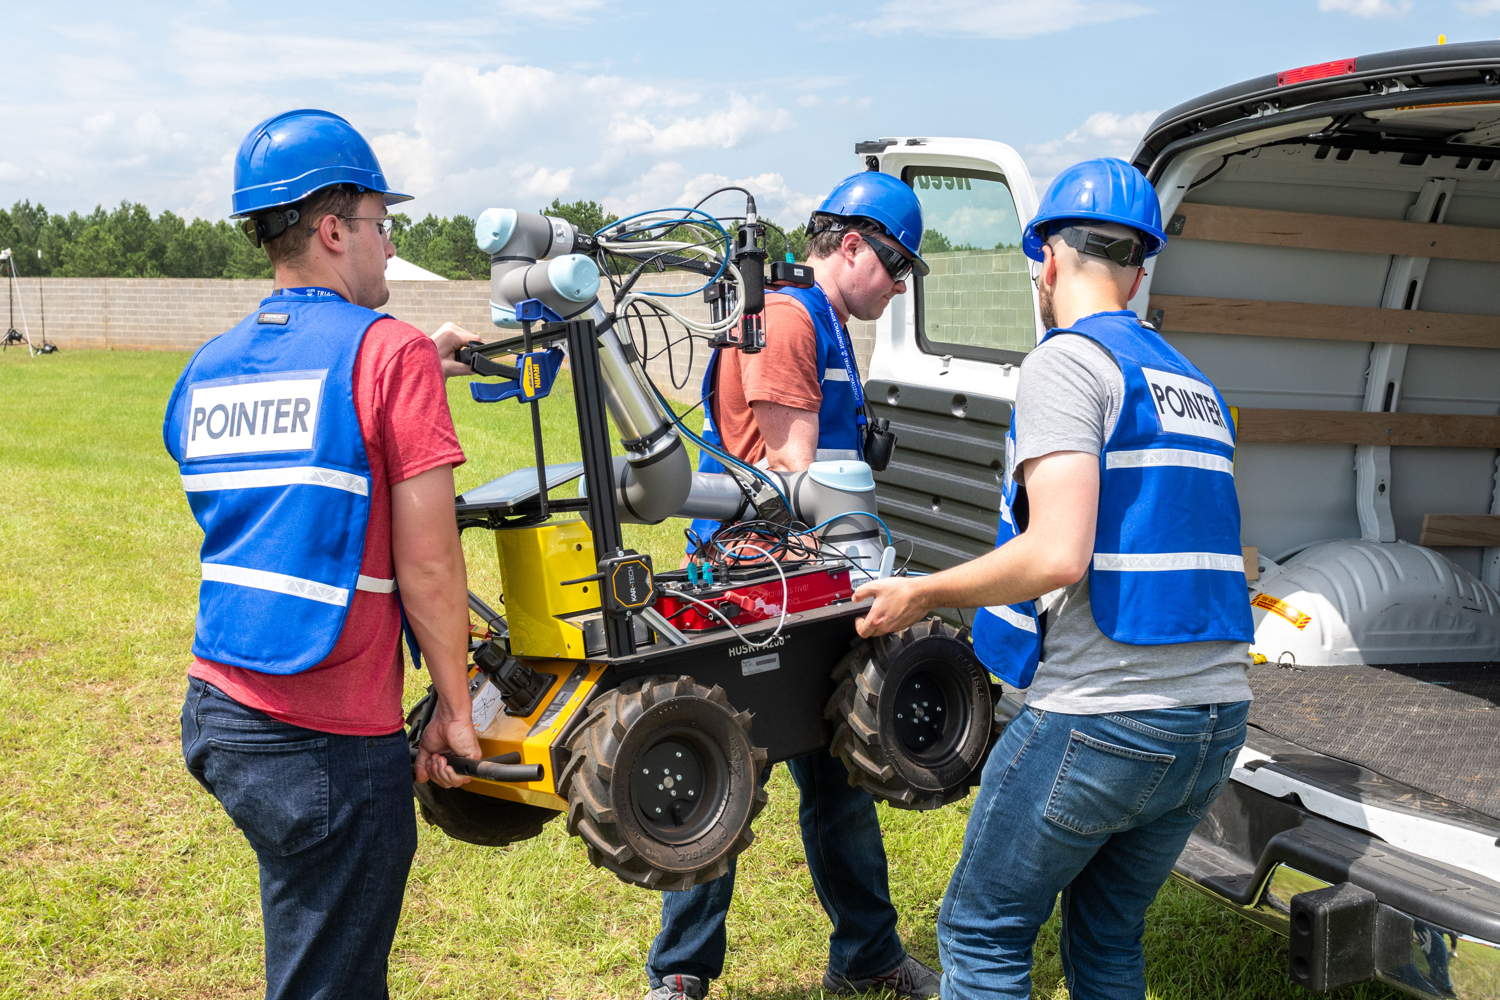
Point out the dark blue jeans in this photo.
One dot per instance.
(332, 824)
(845, 855)
(1096, 807)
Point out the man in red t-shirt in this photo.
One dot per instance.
(312, 763)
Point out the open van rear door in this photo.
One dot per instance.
(947, 354)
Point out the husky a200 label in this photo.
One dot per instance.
(745, 649)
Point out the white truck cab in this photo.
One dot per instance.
(1334, 267)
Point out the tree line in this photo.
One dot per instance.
(129, 242)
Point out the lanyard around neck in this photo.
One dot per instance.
(846, 355)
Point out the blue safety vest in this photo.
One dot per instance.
(263, 426)
(1167, 564)
(841, 416)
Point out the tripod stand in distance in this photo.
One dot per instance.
(13, 336)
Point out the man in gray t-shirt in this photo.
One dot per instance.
(1119, 521)
(1071, 393)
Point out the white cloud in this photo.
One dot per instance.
(459, 128)
(522, 135)
(1001, 19)
(1480, 8)
(1103, 133)
(1367, 8)
(720, 128)
(552, 11)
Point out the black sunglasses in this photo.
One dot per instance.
(896, 264)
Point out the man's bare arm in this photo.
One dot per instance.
(434, 594)
(1055, 550)
(791, 435)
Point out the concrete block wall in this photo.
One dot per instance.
(178, 314)
(133, 313)
(979, 298)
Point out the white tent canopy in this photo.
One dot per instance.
(397, 269)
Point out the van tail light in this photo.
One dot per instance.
(1319, 71)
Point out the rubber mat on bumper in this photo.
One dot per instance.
(1434, 726)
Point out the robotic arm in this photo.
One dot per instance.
(654, 477)
(543, 258)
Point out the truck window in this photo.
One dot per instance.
(977, 301)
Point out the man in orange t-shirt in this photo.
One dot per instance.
(797, 401)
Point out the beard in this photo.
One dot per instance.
(1044, 305)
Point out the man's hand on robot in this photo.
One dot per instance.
(897, 604)
(449, 338)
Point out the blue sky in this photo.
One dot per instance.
(638, 105)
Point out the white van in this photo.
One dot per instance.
(1334, 266)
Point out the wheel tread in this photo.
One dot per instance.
(862, 677)
(587, 779)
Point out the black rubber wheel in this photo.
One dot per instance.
(663, 782)
(479, 819)
(914, 715)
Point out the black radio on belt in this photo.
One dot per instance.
(880, 442)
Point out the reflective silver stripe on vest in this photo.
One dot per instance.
(294, 586)
(1158, 457)
(837, 455)
(1147, 562)
(835, 375)
(1010, 616)
(294, 475)
(279, 583)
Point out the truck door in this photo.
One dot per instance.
(947, 354)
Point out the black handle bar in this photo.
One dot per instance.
(506, 767)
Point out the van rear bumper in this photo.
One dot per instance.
(1352, 907)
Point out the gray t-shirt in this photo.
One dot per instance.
(1070, 398)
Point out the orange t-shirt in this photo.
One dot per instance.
(785, 372)
(403, 413)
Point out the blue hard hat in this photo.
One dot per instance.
(1102, 190)
(289, 156)
(882, 199)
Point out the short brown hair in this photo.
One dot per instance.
(339, 199)
(829, 232)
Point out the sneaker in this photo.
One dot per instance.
(678, 987)
(909, 979)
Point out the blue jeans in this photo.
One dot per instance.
(845, 855)
(332, 824)
(1096, 807)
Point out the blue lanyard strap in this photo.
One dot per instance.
(846, 355)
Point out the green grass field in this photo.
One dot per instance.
(121, 878)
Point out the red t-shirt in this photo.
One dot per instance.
(785, 372)
(403, 414)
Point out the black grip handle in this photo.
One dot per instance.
(504, 767)
(490, 771)
(482, 365)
